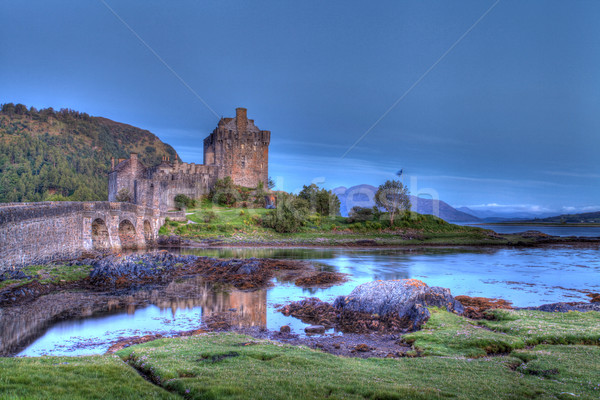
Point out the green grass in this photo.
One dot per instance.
(536, 327)
(242, 226)
(447, 334)
(98, 377)
(231, 366)
(51, 273)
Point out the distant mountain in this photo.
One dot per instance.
(363, 195)
(583, 218)
(59, 155)
(496, 216)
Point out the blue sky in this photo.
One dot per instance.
(508, 119)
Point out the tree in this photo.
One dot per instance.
(393, 197)
(182, 202)
(270, 183)
(322, 201)
(124, 196)
(224, 192)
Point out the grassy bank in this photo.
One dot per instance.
(236, 226)
(232, 366)
(50, 273)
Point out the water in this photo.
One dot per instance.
(88, 323)
(553, 230)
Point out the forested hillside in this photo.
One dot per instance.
(65, 155)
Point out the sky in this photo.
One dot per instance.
(486, 104)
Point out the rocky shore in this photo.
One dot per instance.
(122, 271)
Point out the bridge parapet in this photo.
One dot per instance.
(38, 232)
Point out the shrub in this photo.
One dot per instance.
(360, 214)
(182, 202)
(290, 214)
(209, 216)
(124, 196)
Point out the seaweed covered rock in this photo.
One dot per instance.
(403, 301)
(115, 269)
(476, 307)
(565, 307)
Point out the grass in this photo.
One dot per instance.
(242, 226)
(98, 377)
(51, 273)
(536, 327)
(233, 366)
(447, 334)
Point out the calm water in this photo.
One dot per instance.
(524, 276)
(554, 230)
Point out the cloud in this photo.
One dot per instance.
(510, 182)
(584, 175)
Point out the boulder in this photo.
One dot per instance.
(402, 301)
(315, 329)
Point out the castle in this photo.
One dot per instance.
(236, 148)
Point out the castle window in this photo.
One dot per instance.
(242, 146)
(244, 162)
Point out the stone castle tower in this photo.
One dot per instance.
(239, 149)
(236, 148)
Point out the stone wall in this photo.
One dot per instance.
(41, 232)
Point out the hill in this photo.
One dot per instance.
(506, 216)
(362, 195)
(582, 218)
(65, 155)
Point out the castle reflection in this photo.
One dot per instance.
(22, 325)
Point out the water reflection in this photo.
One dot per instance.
(90, 322)
(85, 323)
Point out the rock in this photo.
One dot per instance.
(404, 301)
(285, 329)
(362, 347)
(565, 307)
(475, 307)
(315, 329)
(595, 297)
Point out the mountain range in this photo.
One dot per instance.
(363, 195)
(496, 216)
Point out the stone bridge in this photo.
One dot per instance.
(39, 232)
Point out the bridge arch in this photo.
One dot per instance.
(100, 235)
(127, 235)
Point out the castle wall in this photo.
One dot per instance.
(236, 148)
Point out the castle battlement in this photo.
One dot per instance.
(236, 148)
